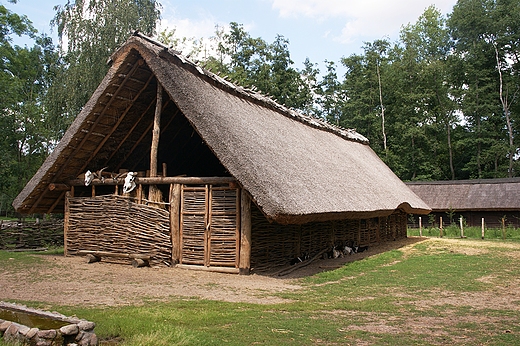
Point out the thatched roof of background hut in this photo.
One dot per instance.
(466, 195)
(295, 167)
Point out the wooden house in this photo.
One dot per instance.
(227, 179)
(491, 199)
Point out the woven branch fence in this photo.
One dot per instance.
(115, 224)
(275, 245)
(30, 235)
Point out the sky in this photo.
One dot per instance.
(316, 29)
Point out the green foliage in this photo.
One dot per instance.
(90, 31)
(27, 130)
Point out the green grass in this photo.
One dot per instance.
(425, 295)
(453, 231)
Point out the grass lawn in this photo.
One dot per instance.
(436, 292)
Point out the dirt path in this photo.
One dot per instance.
(71, 281)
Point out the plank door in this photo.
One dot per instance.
(210, 226)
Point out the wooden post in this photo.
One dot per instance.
(482, 228)
(461, 222)
(420, 226)
(66, 220)
(245, 233)
(175, 223)
(156, 132)
(503, 228)
(440, 227)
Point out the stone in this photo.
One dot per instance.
(89, 339)
(86, 325)
(5, 325)
(32, 333)
(11, 333)
(70, 329)
(23, 330)
(47, 334)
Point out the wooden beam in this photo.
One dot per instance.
(66, 222)
(116, 125)
(138, 142)
(58, 187)
(245, 233)
(156, 131)
(158, 181)
(163, 130)
(128, 135)
(175, 221)
(89, 131)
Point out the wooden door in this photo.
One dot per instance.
(210, 226)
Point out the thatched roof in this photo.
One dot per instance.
(296, 168)
(465, 195)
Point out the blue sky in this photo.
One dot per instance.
(316, 29)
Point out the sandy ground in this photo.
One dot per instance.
(71, 281)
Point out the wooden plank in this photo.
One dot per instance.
(228, 270)
(115, 254)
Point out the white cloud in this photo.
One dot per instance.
(362, 18)
(194, 27)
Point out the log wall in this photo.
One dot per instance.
(274, 245)
(113, 223)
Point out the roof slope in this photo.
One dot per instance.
(460, 195)
(296, 168)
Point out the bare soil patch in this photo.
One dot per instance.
(71, 281)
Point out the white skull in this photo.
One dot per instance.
(89, 176)
(129, 185)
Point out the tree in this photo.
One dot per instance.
(90, 31)
(486, 35)
(27, 132)
(428, 41)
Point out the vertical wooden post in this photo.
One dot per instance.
(164, 169)
(440, 227)
(207, 231)
(175, 221)
(482, 228)
(93, 190)
(420, 226)
(140, 193)
(245, 233)
(461, 222)
(156, 132)
(66, 221)
(503, 228)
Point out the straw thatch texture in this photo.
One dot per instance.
(462, 195)
(297, 169)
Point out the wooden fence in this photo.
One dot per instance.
(30, 235)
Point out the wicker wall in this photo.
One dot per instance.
(274, 245)
(115, 224)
